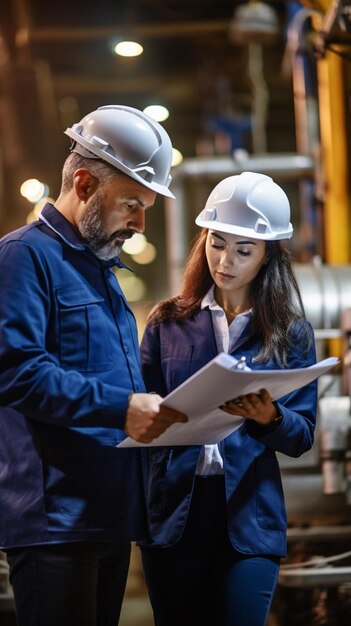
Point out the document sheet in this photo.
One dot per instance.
(222, 379)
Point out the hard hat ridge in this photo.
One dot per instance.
(248, 204)
(129, 140)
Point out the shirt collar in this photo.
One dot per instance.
(62, 227)
(209, 302)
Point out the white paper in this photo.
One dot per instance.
(200, 396)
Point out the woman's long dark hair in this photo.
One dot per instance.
(275, 298)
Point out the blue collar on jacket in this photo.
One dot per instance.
(62, 227)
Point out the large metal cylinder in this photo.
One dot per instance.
(326, 292)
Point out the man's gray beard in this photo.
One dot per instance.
(92, 232)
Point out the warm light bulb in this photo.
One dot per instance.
(128, 49)
(157, 112)
(33, 190)
(177, 157)
(148, 255)
(133, 287)
(135, 244)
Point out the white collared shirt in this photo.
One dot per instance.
(210, 459)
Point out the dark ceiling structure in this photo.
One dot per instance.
(221, 67)
(57, 63)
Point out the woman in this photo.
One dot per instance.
(216, 513)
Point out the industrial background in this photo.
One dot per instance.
(260, 86)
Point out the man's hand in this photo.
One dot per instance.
(146, 419)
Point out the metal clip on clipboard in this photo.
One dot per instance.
(241, 364)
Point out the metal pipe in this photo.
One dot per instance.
(306, 122)
(286, 166)
(307, 504)
(176, 230)
(260, 97)
(316, 577)
(320, 533)
(332, 111)
(305, 105)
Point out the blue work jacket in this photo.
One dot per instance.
(69, 358)
(257, 521)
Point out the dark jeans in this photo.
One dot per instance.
(202, 579)
(74, 584)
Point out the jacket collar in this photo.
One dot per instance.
(56, 222)
(203, 328)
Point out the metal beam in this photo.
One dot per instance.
(163, 30)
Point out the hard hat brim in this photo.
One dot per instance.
(245, 232)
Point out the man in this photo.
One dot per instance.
(70, 380)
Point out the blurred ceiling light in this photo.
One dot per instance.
(133, 287)
(177, 157)
(157, 112)
(33, 190)
(34, 214)
(135, 244)
(128, 49)
(148, 255)
(42, 202)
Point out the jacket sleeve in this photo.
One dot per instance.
(294, 433)
(151, 360)
(31, 379)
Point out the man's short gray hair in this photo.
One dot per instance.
(103, 171)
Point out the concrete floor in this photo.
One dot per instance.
(136, 611)
(136, 608)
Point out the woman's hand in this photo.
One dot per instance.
(253, 406)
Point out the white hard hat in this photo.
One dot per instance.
(248, 204)
(129, 140)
